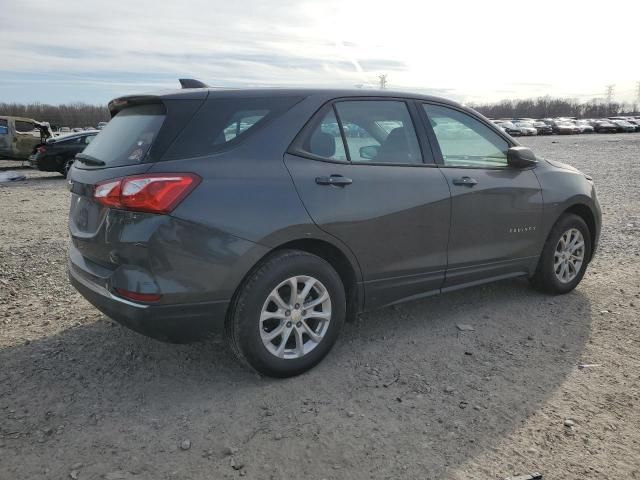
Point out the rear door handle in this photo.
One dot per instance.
(468, 181)
(337, 180)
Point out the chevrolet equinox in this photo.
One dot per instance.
(272, 215)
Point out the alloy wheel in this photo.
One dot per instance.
(295, 317)
(569, 255)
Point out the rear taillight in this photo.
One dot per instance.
(41, 149)
(153, 193)
(138, 297)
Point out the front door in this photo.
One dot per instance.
(496, 209)
(359, 170)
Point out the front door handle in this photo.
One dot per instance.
(337, 180)
(467, 181)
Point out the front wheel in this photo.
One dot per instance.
(287, 315)
(565, 256)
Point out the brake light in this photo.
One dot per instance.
(138, 297)
(153, 193)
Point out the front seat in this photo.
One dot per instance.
(395, 149)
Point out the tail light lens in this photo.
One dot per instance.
(153, 193)
(138, 297)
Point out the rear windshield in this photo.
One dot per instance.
(127, 138)
(222, 123)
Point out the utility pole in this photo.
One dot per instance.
(609, 93)
(383, 81)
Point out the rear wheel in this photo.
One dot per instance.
(287, 314)
(565, 256)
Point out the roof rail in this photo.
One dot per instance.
(192, 83)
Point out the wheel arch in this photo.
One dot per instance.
(584, 211)
(346, 267)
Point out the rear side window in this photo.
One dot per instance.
(324, 140)
(127, 138)
(222, 123)
(24, 127)
(4, 126)
(375, 131)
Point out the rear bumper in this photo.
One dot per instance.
(173, 323)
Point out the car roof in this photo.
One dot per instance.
(323, 94)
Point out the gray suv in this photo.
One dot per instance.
(272, 215)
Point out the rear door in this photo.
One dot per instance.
(366, 178)
(496, 210)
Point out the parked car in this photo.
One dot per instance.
(584, 126)
(564, 127)
(624, 126)
(542, 128)
(526, 128)
(604, 126)
(277, 234)
(57, 154)
(635, 123)
(510, 128)
(18, 136)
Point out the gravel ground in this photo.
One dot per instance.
(404, 394)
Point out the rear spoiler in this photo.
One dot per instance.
(118, 104)
(192, 83)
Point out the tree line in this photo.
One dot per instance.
(84, 115)
(66, 115)
(547, 107)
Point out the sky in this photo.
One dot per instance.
(471, 51)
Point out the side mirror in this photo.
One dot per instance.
(369, 152)
(521, 157)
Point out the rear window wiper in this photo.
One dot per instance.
(89, 160)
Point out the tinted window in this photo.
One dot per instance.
(379, 131)
(224, 122)
(465, 141)
(324, 139)
(24, 127)
(126, 139)
(4, 126)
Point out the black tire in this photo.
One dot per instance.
(243, 321)
(66, 166)
(545, 278)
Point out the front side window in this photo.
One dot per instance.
(4, 126)
(379, 131)
(24, 127)
(465, 141)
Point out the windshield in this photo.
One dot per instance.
(126, 139)
(524, 124)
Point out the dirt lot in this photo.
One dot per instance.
(404, 394)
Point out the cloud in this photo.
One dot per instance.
(451, 47)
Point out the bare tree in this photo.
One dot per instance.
(67, 115)
(382, 81)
